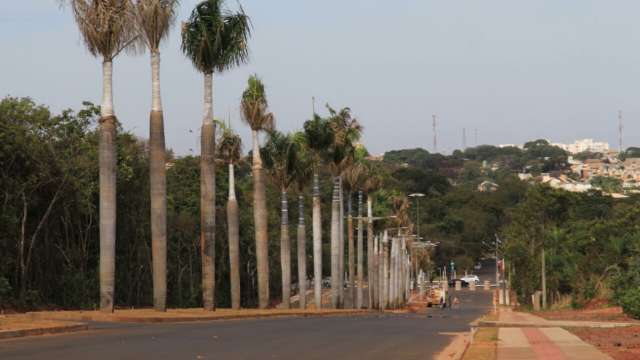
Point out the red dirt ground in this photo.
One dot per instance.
(619, 343)
(588, 314)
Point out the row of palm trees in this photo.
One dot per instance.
(215, 40)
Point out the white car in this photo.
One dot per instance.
(471, 278)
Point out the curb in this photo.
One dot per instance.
(150, 320)
(8, 334)
(507, 324)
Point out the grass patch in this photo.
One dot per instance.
(484, 345)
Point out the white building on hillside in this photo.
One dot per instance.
(584, 145)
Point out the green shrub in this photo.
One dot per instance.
(630, 303)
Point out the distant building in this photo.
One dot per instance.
(584, 145)
(488, 186)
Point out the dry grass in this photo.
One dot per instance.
(484, 345)
(24, 322)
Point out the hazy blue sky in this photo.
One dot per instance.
(516, 70)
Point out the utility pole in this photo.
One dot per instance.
(620, 149)
(464, 139)
(475, 135)
(435, 135)
(313, 104)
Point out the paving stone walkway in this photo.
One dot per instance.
(548, 343)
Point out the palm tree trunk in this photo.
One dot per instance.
(385, 271)
(392, 275)
(208, 198)
(335, 243)
(158, 183)
(234, 241)
(285, 252)
(261, 230)
(107, 162)
(360, 249)
(317, 242)
(380, 279)
(376, 271)
(351, 246)
(370, 249)
(302, 255)
(341, 249)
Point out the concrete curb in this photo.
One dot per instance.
(8, 334)
(182, 319)
(550, 324)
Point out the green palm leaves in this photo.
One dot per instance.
(214, 38)
(254, 106)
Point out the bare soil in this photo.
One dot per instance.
(619, 343)
(614, 313)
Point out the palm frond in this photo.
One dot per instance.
(229, 146)
(254, 106)
(107, 26)
(154, 19)
(215, 39)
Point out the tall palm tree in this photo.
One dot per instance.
(154, 19)
(302, 175)
(230, 150)
(371, 185)
(354, 178)
(215, 40)
(318, 137)
(254, 110)
(346, 131)
(279, 154)
(107, 28)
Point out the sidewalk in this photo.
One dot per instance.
(509, 318)
(538, 339)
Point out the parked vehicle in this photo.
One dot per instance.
(452, 283)
(471, 278)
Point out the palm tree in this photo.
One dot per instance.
(345, 132)
(371, 185)
(230, 149)
(302, 175)
(254, 112)
(154, 19)
(279, 154)
(318, 137)
(107, 28)
(215, 40)
(354, 178)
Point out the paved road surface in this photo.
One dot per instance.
(388, 336)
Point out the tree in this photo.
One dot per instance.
(318, 137)
(354, 179)
(279, 154)
(302, 176)
(215, 40)
(230, 149)
(346, 131)
(154, 19)
(371, 185)
(107, 28)
(254, 110)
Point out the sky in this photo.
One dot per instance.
(513, 70)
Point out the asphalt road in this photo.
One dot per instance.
(385, 336)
